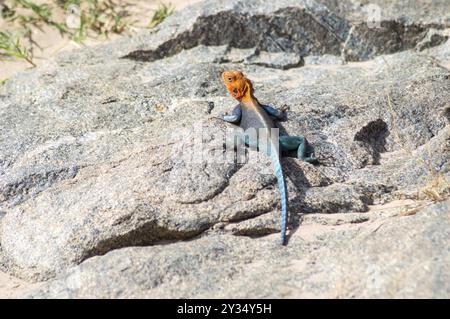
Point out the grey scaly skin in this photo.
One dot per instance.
(250, 114)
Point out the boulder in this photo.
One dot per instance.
(390, 256)
(119, 146)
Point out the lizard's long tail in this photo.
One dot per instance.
(283, 192)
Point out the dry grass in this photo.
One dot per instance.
(161, 14)
(437, 189)
(438, 186)
(73, 19)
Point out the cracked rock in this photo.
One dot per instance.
(95, 146)
(405, 258)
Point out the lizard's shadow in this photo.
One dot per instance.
(294, 172)
(283, 132)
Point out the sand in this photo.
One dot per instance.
(51, 42)
(11, 287)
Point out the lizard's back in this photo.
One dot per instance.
(254, 116)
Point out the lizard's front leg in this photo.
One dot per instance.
(299, 143)
(234, 118)
(235, 115)
(273, 112)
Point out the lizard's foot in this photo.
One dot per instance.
(283, 113)
(290, 143)
(311, 159)
(284, 108)
(299, 143)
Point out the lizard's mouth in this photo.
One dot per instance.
(238, 93)
(236, 84)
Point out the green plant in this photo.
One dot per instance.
(22, 17)
(101, 17)
(10, 46)
(64, 4)
(42, 13)
(161, 13)
(5, 11)
(437, 187)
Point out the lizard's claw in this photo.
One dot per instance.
(283, 112)
(284, 108)
(215, 118)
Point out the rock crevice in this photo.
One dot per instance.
(379, 126)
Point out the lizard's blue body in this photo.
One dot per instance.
(249, 113)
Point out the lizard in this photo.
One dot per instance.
(249, 113)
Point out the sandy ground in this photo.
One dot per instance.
(11, 287)
(51, 42)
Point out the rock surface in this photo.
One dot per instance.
(99, 151)
(381, 259)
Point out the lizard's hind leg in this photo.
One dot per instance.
(298, 143)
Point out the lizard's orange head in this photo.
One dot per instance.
(239, 86)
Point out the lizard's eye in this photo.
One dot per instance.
(235, 90)
(230, 79)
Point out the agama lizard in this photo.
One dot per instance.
(249, 113)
